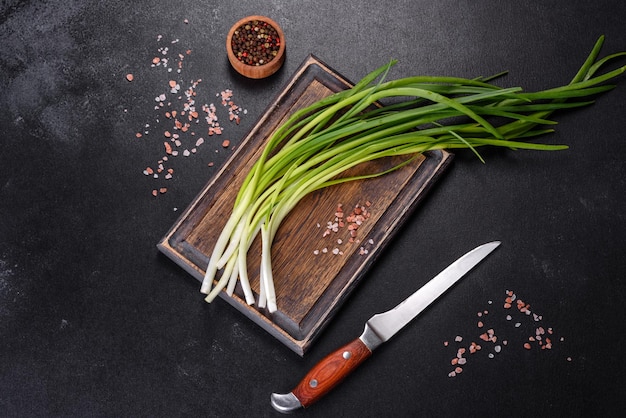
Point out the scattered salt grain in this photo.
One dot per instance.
(169, 57)
(541, 336)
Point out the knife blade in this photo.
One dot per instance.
(333, 368)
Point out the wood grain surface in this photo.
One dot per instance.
(314, 273)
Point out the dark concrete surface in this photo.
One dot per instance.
(94, 322)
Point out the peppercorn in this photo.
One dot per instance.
(255, 42)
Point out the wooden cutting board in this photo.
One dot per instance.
(314, 270)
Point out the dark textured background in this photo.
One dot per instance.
(95, 322)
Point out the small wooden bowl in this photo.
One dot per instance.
(256, 71)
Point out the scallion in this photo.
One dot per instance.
(317, 144)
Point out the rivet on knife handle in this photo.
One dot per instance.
(333, 368)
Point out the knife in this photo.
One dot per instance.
(333, 368)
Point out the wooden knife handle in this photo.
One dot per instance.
(330, 371)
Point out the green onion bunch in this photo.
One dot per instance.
(318, 143)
